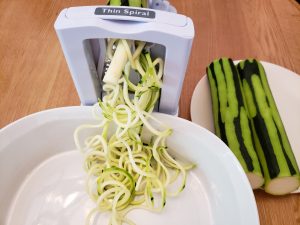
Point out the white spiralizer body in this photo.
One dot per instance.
(82, 32)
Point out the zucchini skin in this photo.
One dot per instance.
(132, 3)
(272, 144)
(231, 120)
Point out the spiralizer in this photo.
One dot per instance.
(83, 33)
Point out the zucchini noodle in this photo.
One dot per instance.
(127, 162)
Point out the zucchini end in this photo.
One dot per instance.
(282, 185)
(256, 181)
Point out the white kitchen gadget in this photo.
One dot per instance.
(83, 31)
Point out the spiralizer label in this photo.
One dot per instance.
(118, 11)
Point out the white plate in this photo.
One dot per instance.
(42, 180)
(285, 87)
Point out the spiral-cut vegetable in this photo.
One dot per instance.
(126, 170)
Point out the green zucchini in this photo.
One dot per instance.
(231, 120)
(132, 3)
(114, 2)
(278, 162)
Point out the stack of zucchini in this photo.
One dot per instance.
(247, 120)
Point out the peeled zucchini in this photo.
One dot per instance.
(278, 162)
(231, 120)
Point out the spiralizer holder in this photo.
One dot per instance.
(82, 32)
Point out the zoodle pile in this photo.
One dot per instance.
(130, 167)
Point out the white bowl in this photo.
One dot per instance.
(41, 176)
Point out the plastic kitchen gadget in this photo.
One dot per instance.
(83, 33)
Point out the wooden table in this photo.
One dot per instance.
(34, 75)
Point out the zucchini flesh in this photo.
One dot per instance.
(279, 166)
(231, 120)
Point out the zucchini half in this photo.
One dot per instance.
(279, 165)
(231, 120)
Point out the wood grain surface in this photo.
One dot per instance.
(34, 75)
